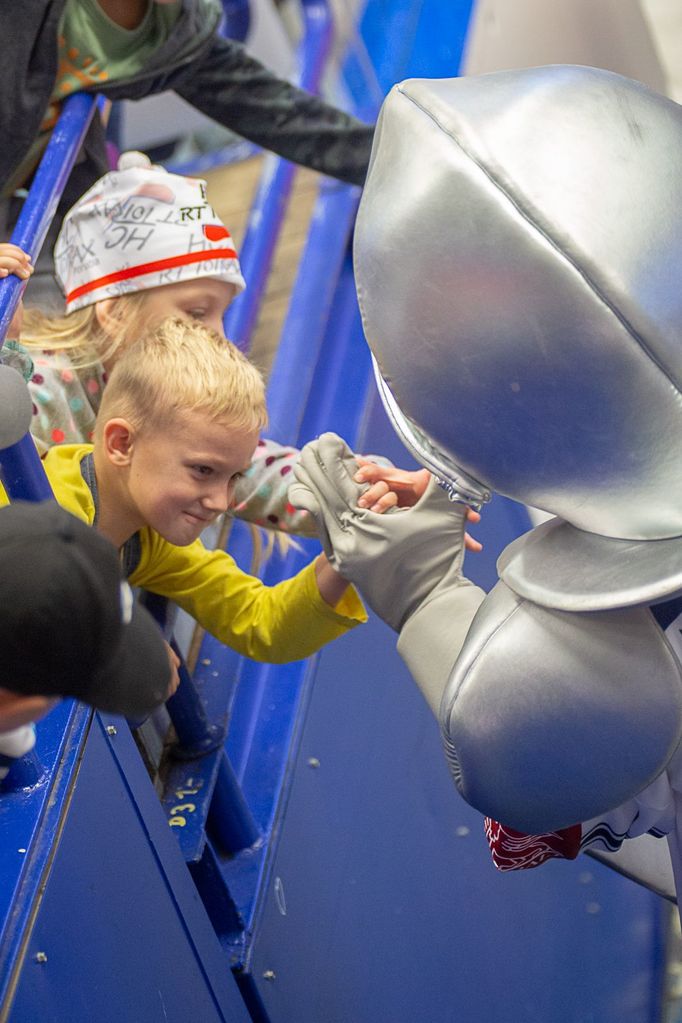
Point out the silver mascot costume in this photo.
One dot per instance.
(517, 254)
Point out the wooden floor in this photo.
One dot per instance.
(230, 191)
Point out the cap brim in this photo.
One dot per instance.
(558, 566)
(136, 679)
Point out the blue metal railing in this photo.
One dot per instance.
(21, 470)
(32, 779)
(41, 205)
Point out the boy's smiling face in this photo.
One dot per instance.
(177, 480)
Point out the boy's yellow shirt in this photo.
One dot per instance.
(276, 624)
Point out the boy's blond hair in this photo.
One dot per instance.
(183, 366)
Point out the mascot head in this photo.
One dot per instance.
(517, 256)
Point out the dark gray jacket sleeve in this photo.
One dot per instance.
(236, 90)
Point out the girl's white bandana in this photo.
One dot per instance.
(137, 228)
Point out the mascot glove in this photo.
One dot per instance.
(396, 559)
(406, 563)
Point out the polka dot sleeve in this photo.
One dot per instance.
(261, 496)
(65, 401)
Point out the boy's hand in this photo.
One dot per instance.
(14, 260)
(390, 488)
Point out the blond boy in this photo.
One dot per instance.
(178, 423)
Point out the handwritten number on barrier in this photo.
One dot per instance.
(189, 788)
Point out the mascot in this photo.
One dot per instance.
(517, 255)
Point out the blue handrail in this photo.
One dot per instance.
(48, 184)
(309, 309)
(272, 196)
(21, 470)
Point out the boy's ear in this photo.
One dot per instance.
(117, 441)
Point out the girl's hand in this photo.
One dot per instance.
(398, 488)
(14, 260)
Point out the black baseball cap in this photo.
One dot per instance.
(68, 622)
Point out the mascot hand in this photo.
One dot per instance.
(406, 563)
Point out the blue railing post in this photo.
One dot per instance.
(48, 184)
(196, 734)
(272, 196)
(230, 816)
(21, 469)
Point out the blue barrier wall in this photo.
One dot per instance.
(112, 927)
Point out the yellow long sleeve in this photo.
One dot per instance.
(281, 623)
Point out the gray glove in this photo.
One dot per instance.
(406, 563)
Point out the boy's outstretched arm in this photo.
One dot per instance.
(331, 585)
(407, 563)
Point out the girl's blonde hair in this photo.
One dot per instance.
(184, 366)
(80, 332)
